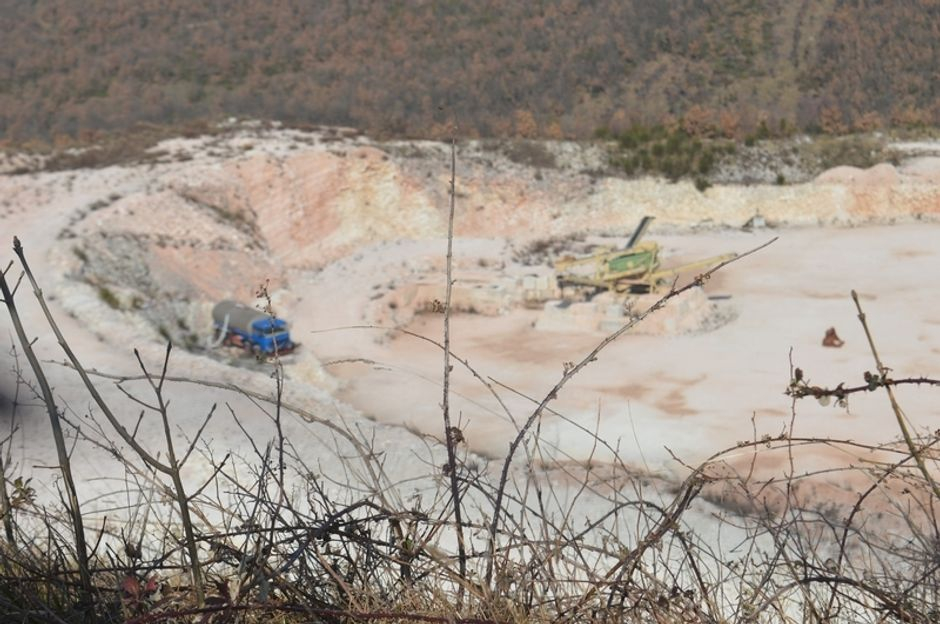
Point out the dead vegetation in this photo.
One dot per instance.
(542, 251)
(274, 535)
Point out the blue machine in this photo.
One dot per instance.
(243, 326)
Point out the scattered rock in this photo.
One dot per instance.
(831, 339)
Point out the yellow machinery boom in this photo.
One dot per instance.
(632, 269)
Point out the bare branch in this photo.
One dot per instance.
(571, 371)
(451, 433)
(899, 414)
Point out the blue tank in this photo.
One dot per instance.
(251, 329)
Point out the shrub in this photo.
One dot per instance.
(106, 295)
(705, 162)
(530, 153)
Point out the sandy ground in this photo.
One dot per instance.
(693, 393)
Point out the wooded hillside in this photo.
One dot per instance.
(548, 68)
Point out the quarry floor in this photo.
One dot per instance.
(654, 396)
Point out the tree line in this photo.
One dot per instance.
(547, 68)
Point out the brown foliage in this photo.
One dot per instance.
(868, 122)
(526, 126)
(497, 69)
(910, 117)
(831, 121)
(699, 121)
(730, 124)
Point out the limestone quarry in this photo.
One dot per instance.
(347, 237)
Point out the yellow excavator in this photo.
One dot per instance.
(633, 269)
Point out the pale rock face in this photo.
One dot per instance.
(314, 207)
(310, 207)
